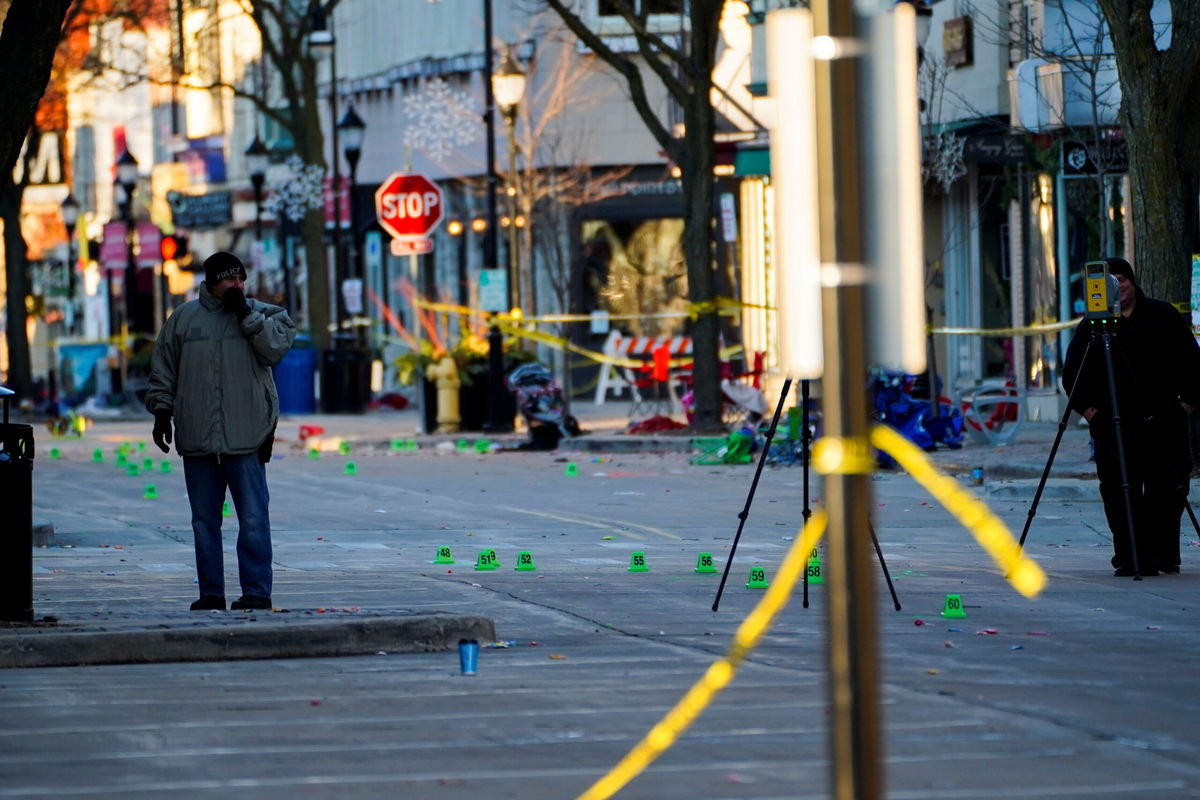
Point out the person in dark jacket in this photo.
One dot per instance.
(211, 375)
(1156, 368)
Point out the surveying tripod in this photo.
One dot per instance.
(805, 440)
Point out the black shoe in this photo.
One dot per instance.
(209, 602)
(251, 602)
(1172, 569)
(1127, 572)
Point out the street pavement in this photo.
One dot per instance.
(1087, 691)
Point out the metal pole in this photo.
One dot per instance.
(852, 647)
(514, 262)
(339, 263)
(496, 395)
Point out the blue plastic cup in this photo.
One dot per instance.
(468, 655)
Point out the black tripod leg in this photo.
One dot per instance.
(1062, 428)
(883, 564)
(804, 439)
(1192, 514)
(762, 460)
(1116, 421)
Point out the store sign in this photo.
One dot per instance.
(958, 42)
(728, 218)
(493, 290)
(200, 211)
(996, 149)
(46, 168)
(114, 251)
(1086, 158)
(149, 244)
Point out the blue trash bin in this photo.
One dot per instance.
(294, 380)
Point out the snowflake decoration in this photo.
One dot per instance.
(944, 159)
(440, 118)
(303, 190)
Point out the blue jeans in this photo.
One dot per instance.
(246, 478)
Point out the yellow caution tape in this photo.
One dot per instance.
(632, 363)
(722, 305)
(1028, 330)
(719, 673)
(1021, 571)
(847, 456)
(831, 456)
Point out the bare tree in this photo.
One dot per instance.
(1079, 48)
(28, 42)
(291, 99)
(684, 68)
(1160, 111)
(555, 181)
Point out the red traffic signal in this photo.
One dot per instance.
(173, 248)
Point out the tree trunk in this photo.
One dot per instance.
(310, 146)
(695, 157)
(20, 368)
(698, 194)
(1163, 213)
(31, 33)
(1156, 86)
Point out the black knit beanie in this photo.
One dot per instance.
(222, 265)
(1119, 266)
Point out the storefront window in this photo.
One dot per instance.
(636, 267)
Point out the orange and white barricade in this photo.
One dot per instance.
(641, 348)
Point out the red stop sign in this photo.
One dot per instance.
(408, 206)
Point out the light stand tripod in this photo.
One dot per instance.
(1105, 333)
(805, 437)
(1106, 336)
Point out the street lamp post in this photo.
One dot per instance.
(257, 159)
(508, 87)
(127, 174)
(353, 130)
(344, 376)
(70, 215)
(323, 45)
(497, 397)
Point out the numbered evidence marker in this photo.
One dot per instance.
(525, 562)
(637, 562)
(704, 563)
(443, 556)
(758, 579)
(486, 561)
(813, 571)
(954, 607)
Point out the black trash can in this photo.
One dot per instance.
(345, 378)
(16, 558)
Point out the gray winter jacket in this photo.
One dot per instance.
(214, 375)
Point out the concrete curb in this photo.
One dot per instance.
(417, 633)
(582, 444)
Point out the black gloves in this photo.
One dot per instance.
(162, 430)
(234, 301)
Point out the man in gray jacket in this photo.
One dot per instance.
(211, 373)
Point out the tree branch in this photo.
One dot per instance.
(629, 70)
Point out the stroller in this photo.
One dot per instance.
(540, 400)
(897, 404)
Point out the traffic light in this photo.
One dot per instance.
(175, 248)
